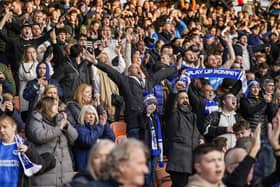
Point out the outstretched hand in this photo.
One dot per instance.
(89, 57)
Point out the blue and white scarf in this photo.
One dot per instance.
(156, 140)
(216, 76)
(29, 167)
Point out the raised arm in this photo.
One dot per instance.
(231, 54)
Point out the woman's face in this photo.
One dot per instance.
(7, 131)
(90, 117)
(52, 92)
(87, 94)
(31, 54)
(54, 109)
(99, 158)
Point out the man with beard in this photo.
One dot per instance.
(221, 123)
(182, 135)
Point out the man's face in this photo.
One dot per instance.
(136, 58)
(263, 71)
(208, 92)
(135, 70)
(254, 90)
(183, 99)
(230, 102)
(38, 18)
(61, 37)
(36, 31)
(190, 57)
(42, 70)
(165, 59)
(82, 41)
(212, 61)
(106, 32)
(211, 167)
(243, 40)
(243, 133)
(269, 88)
(26, 32)
(135, 168)
(16, 7)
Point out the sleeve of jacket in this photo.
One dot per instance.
(127, 56)
(71, 133)
(238, 178)
(9, 77)
(170, 104)
(59, 73)
(7, 88)
(108, 132)
(86, 138)
(210, 126)
(5, 38)
(16, 116)
(181, 27)
(163, 74)
(39, 133)
(59, 89)
(30, 91)
(112, 73)
(72, 113)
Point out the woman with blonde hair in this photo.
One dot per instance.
(27, 72)
(82, 96)
(97, 156)
(50, 132)
(90, 128)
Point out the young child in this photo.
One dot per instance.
(153, 137)
(242, 129)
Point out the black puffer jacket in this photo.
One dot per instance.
(70, 75)
(256, 110)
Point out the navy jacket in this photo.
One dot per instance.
(31, 91)
(88, 135)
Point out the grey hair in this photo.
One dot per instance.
(230, 156)
(96, 148)
(81, 119)
(267, 81)
(120, 154)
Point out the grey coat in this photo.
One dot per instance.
(182, 137)
(44, 134)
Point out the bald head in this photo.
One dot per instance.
(233, 157)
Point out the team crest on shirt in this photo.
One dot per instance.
(15, 152)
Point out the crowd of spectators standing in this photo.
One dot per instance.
(68, 69)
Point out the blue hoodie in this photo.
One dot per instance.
(31, 91)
